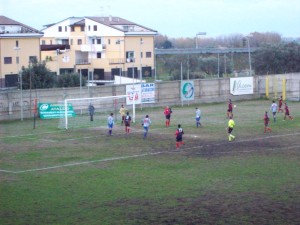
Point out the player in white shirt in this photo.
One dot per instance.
(198, 117)
(274, 110)
(146, 123)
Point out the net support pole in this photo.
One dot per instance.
(283, 89)
(133, 110)
(267, 87)
(66, 114)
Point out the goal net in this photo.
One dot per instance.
(77, 112)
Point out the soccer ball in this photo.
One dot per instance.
(234, 106)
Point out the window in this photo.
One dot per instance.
(99, 41)
(7, 60)
(148, 54)
(43, 42)
(89, 27)
(71, 41)
(141, 54)
(18, 60)
(109, 41)
(79, 42)
(66, 28)
(32, 59)
(72, 28)
(93, 41)
(98, 55)
(95, 27)
(59, 29)
(17, 44)
(82, 28)
(130, 56)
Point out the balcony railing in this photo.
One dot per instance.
(117, 61)
(82, 61)
(92, 48)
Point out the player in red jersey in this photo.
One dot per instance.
(287, 112)
(229, 110)
(266, 122)
(179, 136)
(127, 121)
(167, 114)
(280, 104)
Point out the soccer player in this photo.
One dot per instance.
(231, 125)
(146, 123)
(198, 117)
(123, 111)
(229, 110)
(91, 109)
(167, 114)
(127, 123)
(179, 136)
(287, 112)
(266, 122)
(280, 105)
(110, 123)
(274, 110)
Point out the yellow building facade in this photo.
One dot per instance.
(99, 48)
(19, 45)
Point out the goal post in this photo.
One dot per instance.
(103, 106)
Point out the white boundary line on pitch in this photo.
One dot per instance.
(82, 163)
(153, 153)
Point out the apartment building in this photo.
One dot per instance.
(99, 48)
(19, 45)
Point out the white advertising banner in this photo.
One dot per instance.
(141, 93)
(148, 93)
(187, 90)
(241, 86)
(134, 94)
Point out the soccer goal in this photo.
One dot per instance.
(76, 112)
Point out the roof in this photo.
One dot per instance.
(7, 21)
(115, 22)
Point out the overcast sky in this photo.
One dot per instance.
(174, 18)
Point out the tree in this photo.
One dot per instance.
(276, 59)
(70, 80)
(37, 76)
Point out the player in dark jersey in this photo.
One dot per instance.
(167, 114)
(287, 112)
(280, 105)
(229, 110)
(127, 121)
(266, 122)
(179, 136)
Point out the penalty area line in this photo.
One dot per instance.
(82, 163)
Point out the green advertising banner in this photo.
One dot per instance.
(55, 110)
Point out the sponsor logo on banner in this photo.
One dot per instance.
(55, 110)
(241, 86)
(187, 90)
(133, 91)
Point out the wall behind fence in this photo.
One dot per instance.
(167, 93)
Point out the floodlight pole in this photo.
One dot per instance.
(20, 78)
(249, 54)
(199, 33)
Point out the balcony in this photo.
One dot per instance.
(83, 61)
(117, 61)
(92, 48)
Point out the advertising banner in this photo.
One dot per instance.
(187, 90)
(141, 93)
(134, 93)
(55, 110)
(241, 86)
(148, 93)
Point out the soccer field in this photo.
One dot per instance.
(83, 176)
